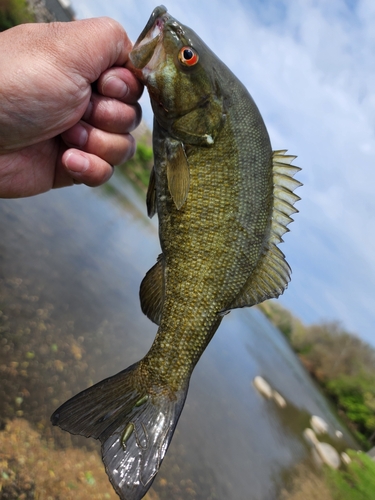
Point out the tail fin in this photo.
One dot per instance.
(134, 422)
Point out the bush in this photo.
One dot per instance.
(355, 396)
(139, 167)
(342, 363)
(14, 12)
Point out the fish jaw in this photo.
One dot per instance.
(176, 89)
(158, 14)
(147, 52)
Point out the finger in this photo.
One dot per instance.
(89, 45)
(112, 115)
(16, 181)
(69, 57)
(120, 83)
(112, 148)
(83, 168)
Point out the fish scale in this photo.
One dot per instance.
(199, 229)
(223, 201)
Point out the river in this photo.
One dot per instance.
(71, 262)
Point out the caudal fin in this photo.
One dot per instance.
(134, 422)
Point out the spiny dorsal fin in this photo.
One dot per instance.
(178, 173)
(151, 292)
(272, 274)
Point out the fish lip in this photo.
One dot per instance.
(154, 26)
(152, 34)
(148, 50)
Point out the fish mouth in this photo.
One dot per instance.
(152, 34)
(156, 21)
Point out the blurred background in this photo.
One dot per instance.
(71, 262)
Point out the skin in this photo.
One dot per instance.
(55, 130)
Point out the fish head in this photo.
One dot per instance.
(178, 70)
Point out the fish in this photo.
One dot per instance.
(224, 199)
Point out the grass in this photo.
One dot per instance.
(356, 481)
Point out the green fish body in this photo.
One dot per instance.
(223, 200)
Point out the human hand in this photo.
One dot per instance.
(55, 130)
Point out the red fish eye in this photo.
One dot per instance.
(188, 56)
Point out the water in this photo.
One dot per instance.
(71, 262)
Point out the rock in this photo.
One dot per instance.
(279, 399)
(316, 458)
(328, 454)
(339, 434)
(319, 425)
(309, 437)
(262, 386)
(324, 451)
(345, 458)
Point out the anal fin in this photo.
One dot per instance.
(151, 292)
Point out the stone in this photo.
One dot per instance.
(328, 454)
(262, 386)
(319, 425)
(345, 458)
(279, 399)
(310, 437)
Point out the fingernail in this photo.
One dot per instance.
(77, 163)
(76, 136)
(115, 87)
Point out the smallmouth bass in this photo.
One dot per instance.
(224, 200)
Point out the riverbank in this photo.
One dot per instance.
(31, 467)
(355, 481)
(340, 362)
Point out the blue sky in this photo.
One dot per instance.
(309, 65)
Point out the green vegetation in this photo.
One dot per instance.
(139, 167)
(13, 12)
(355, 481)
(341, 363)
(355, 397)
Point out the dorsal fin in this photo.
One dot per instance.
(151, 292)
(271, 276)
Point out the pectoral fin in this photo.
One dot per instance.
(151, 292)
(151, 195)
(178, 173)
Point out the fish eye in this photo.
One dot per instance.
(188, 56)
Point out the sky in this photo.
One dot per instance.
(310, 67)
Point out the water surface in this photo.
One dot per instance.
(71, 262)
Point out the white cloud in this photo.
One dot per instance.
(309, 65)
